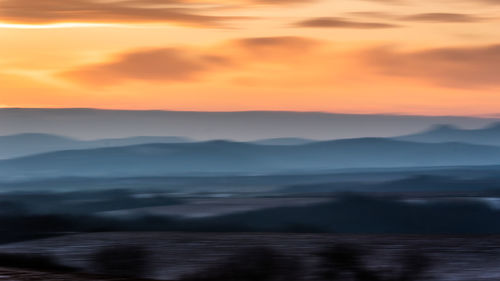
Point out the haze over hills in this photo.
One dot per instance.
(91, 124)
(489, 135)
(290, 146)
(436, 183)
(32, 143)
(232, 158)
(35, 143)
(20, 145)
(283, 141)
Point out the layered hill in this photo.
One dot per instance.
(489, 135)
(234, 158)
(33, 143)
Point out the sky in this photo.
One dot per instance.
(421, 57)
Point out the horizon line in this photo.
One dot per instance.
(483, 116)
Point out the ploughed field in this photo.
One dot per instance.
(173, 255)
(31, 275)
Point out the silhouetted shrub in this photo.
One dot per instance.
(346, 262)
(33, 262)
(127, 261)
(256, 264)
(414, 266)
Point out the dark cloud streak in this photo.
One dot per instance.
(185, 64)
(136, 11)
(334, 22)
(168, 64)
(467, 67)
(422, 17)
(408, 2)
(443, 17)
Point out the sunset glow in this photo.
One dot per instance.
(50, 26)
(416, 57)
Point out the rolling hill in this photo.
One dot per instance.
(489, 135)
(283, 141)
(33, 143)
(234, 158)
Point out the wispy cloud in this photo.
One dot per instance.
(268, 58)
(458, 67)
(443, 17)
(281, 2)
(423, 17)
(183, 12)
(409, 2)
(187, 64)
(334, 22)
(167, 64)
(94, 11)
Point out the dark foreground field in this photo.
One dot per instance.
(32, 275)
(172, 256)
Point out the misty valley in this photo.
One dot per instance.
(249, 140)
(417, 206)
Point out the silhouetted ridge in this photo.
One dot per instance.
(36, 143)
(443, 128)
(493, 127)
(283, 141)
(35, 138)
(489, 135)
(237, 158)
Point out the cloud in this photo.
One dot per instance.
(466, 67)
(491, 2)
(494, 2)
(99, 11)
(442, 17)
(302, 60)
(185, 12)
(333, 22)
(282, 2)
(270, 44)
(373, 14)
(169, 65)
(423, 17)
(223, 2)
(398, 2)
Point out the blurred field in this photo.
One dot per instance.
(208, 207)
(176, 254)
(30, 275)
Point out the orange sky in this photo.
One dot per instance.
(427, 57)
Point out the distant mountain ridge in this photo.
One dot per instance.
(25, 144)
(20, 145)
(235, 158)
(489, 135)
(33, 143)
(283, 141)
